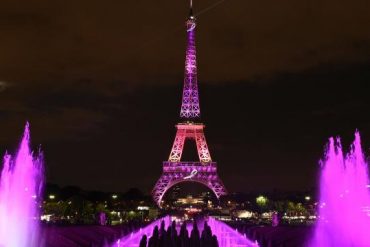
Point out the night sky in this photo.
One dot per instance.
(101, 81)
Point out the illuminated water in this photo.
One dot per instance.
(344, 198)
(20, 185)
(227, 237)
(133, 239)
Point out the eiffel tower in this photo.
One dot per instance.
(176, 171)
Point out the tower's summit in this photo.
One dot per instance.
(191, 9)
(190, 109)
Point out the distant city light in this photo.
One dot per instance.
(52, 197)
(114, 196)
(46, 217)
(245, 214)
(142, 208)
(267, 215)
(193, 210)
(307, 198)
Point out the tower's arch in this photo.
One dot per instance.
(180, 172)
(188, 188)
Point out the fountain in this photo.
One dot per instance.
(20, 186)
(344, 196)
(226, 236)
(229, 237)
(133, 239)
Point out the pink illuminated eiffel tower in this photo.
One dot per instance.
(176, 171)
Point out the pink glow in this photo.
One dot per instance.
(133, 239)
(343, 197)
(227, 236)
(190, 131)
(20, 185)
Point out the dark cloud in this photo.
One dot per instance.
(141, 41)
(3, 86)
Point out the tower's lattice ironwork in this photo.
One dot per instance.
(190, 98)
(176, 171)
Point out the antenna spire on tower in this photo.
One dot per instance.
(190, 98)
(191, 8)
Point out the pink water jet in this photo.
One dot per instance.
(133, 239)
(227, 236)
(344, 198)
(20, 186)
